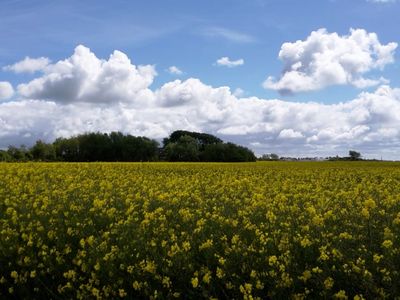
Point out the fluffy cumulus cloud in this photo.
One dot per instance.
(325, 59)
(6, 90)
(85, 78)
(174, 70)
(115, 95)
(29, 65)
(227, 62)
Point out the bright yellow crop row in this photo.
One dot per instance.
(257, 230)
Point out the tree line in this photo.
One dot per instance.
(116, 146)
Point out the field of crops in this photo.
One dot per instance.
(243, 231)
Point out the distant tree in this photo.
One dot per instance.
(239, 153)
(202, 139)
(186, 148)
(227, 152)
(138, 149)
(4, 156)
(354, 155)
(96, 146)
(67, 149)
(19, 154)
(194, 146)
(215, 152)
(43, 152)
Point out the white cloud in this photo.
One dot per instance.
(175, 70)
(229, 35)
(29, 65)
(325, 59)
(290, 134)
(85, 78)
(382, 1)
(6, 90)
(368, 123)
(227, 62)
(238, 92)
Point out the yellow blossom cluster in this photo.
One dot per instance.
(207, 230)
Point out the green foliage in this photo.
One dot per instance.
(43, 152)
(193, 146)
(201, 138)
(19, 154)
(354, 155)
(227, 152)
(185, 148)
(95, 146)
(106, 147)
(4, 156)
(67, 149)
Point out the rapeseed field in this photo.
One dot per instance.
(216, 231)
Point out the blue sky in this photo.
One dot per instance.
(192, 36)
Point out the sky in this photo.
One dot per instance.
(314, 78)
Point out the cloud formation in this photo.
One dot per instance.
(29, 65)
(229, 35)
(227, 62)
(325, 59)
(6, 90)
(46, 109)
(382, 1)
(174, 70)
(85, 78)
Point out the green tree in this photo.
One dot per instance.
(96, 146)
(354, 155)
(193, 146)
(43, 152)
(202, 139)
(19, 154)
(186, 148)
(4, 156)
(67, 149)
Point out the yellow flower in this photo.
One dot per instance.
(387, 244)
(207, 277)
(195, 282)
(220, 273)
(186, 245)
(166, 282)
(122, 293)
(328, 283)
(272, 260)
(14, 274)
(340, 295)
(95, 292)
(306, 275)
(206, 244)
(222, 261)
(136, 285)
(97, 266)
(90, 240)
(305, 242)
(377, 258)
